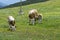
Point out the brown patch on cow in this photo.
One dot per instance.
(12, 23)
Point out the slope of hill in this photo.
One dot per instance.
(27, 2)
(48, 30)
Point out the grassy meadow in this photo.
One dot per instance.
(48, 30)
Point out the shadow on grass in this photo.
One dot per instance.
(27, 2)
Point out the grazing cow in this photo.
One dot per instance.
(11, 22)
(33, 16)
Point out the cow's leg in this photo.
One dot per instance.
(10, 27)
(13, 28)
(39, 19)
(33, 21)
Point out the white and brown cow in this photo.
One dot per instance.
(33, 16)
(11, 22)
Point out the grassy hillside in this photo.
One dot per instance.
(48, 30)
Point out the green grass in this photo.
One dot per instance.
(48, 30)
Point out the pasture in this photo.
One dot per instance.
(48, 30)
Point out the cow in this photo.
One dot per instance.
(11, 22)
(34, 16)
